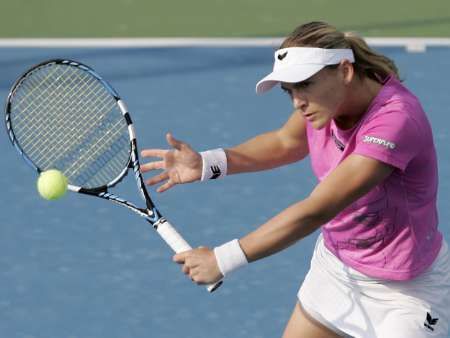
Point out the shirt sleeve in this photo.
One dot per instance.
(392, 137)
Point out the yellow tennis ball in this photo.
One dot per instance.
(52, 184)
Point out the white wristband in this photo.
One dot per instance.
(214, 164)
(230, 257)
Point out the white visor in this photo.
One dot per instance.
(297, 64)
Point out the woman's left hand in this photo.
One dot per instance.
(200, 265)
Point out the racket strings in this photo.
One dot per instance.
(26, 106)
(67, 128)
(36, 83)
(34, 116)
(60, 126)
(101, 164)
(63, 117)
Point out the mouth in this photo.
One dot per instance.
(308, 116)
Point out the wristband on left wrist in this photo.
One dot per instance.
(230, 257)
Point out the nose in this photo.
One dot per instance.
(299, 101)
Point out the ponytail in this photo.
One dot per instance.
(368, 62)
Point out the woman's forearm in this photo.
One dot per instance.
(283, 230)
(265, 151)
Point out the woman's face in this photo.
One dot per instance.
(320, 98)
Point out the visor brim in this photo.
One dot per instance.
(291, 74)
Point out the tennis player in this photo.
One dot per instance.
(380, 267)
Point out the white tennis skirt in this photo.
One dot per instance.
(355, 305)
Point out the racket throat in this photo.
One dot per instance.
(158, 223)
(154, 217)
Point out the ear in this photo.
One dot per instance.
(348, 71)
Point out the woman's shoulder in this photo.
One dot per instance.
(396, 103)
(395, 94)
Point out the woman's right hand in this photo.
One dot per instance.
(181, 164)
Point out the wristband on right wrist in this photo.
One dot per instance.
(230, 257)
(214, 164)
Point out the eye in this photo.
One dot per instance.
(302, 85)
(287, 91)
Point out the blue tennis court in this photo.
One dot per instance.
(81, 268)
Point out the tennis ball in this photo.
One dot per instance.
(52, 184)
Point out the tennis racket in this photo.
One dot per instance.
(62, 115)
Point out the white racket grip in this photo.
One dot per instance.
(178, 244)
(172, 237)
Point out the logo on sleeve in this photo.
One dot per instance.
(379, 141)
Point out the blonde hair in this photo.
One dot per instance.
(322, 35)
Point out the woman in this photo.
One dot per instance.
(380, 267)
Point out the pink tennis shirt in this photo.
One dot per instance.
(391, 232)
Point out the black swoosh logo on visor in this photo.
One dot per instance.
(282, 56)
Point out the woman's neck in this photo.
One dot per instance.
(361, 94)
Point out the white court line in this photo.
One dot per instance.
(140, 42)
(412, 44)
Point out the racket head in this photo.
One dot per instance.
(60, 114)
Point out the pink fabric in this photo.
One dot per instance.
(391, 232)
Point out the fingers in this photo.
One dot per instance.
(188, 264)
(198, 266)
(154, 153)
(164, 176)
(152, 166)
(166, 186)
(180, 258)
(158, 178)
(156, 165)
(192, 274)
(196, 278)
(173, 141)
(185, 269)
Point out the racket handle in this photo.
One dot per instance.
(178, 244)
